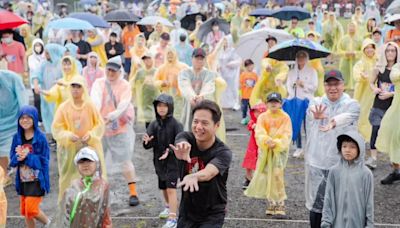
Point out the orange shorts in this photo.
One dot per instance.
(30, 206)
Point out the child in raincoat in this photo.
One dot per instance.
(30, 153)
(77, 123)
(3, 201)
(345, 204)
(145, 90)
(92, 70)
(160, 134)
(86, 202)
(273, 135)
(250, 158)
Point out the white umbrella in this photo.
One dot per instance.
(392, 18)
(153, 20)
(253, 45)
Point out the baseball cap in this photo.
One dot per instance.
(274, 97)
(199, 52)
(146, 56)
(114, 63)
(335, 74)
(86, 153)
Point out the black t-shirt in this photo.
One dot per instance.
(385, 84)
(29, 183)
(83, 49)
(118, 47)
(209, 203)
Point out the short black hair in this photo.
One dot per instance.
(346, 138)
(165, 36)
(113, 34)
(248, 62)
(66, 60)
(210, 106)
(214, 23)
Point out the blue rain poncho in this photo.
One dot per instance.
(321, 146)
(296, 108)
(47, 75)
(349, 196)
(12, 98)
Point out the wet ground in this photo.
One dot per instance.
(242, 211)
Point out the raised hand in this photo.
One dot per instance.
(147, 139)
(182, 151)
(319, 112)
(189, 182)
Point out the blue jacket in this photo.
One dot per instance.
(39, 158)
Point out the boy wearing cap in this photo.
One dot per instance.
(273, 135)
(326, 117)
(355, 199)
(86, 202)
(160, 134)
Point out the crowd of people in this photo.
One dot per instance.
(89, 89)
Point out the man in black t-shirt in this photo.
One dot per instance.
(204, 167)
(83, 47)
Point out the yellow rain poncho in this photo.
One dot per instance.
(155, 36)
(317, 65)
(60, 93)
(362, 71)
(97, 44)
(332, 32)
(168, 72)
(389, 132)
(268, 181)
(350, 43)
(3, 201)
(267, 83)
(71, 119)
(137, 52)
(145, 91)
(26, 33)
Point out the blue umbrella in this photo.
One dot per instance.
(262, 12)
(93, 19)
(70, 24)
(286, 51)
(296, 108)
(286, 13)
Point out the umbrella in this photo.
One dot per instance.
(70, 24)
(262, 12)
(10, 20)
(189, 21)
(253, 45)
(153, 20)
(296, 109)
(286, 51)
(205, 28)
(394, 7)
(392, 18)
(93, 19)
(287, 12)
(121, 16)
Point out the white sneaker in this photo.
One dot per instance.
(171, 223)
(298, 153)
(164, 214)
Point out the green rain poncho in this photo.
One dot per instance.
(362, 71)
(350, 43)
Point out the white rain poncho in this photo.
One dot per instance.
(229, 68)
(349, 196)
(321, 148)
(12, 97)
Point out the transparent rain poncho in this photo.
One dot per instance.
(321, 146)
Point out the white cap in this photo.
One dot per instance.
(86, 152)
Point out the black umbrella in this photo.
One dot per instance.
(206, 27)
(287, 50)
(189, 21)
(286, 13)
(121, 16)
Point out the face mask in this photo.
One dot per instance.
(7, 40)
(38, 49)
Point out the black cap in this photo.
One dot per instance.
(335, 74)
(274, 97)
(199, 52)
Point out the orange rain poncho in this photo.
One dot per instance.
(71, 119)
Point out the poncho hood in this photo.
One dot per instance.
(55, 51)
(354, 135)
(29, 111)
(166, 99)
